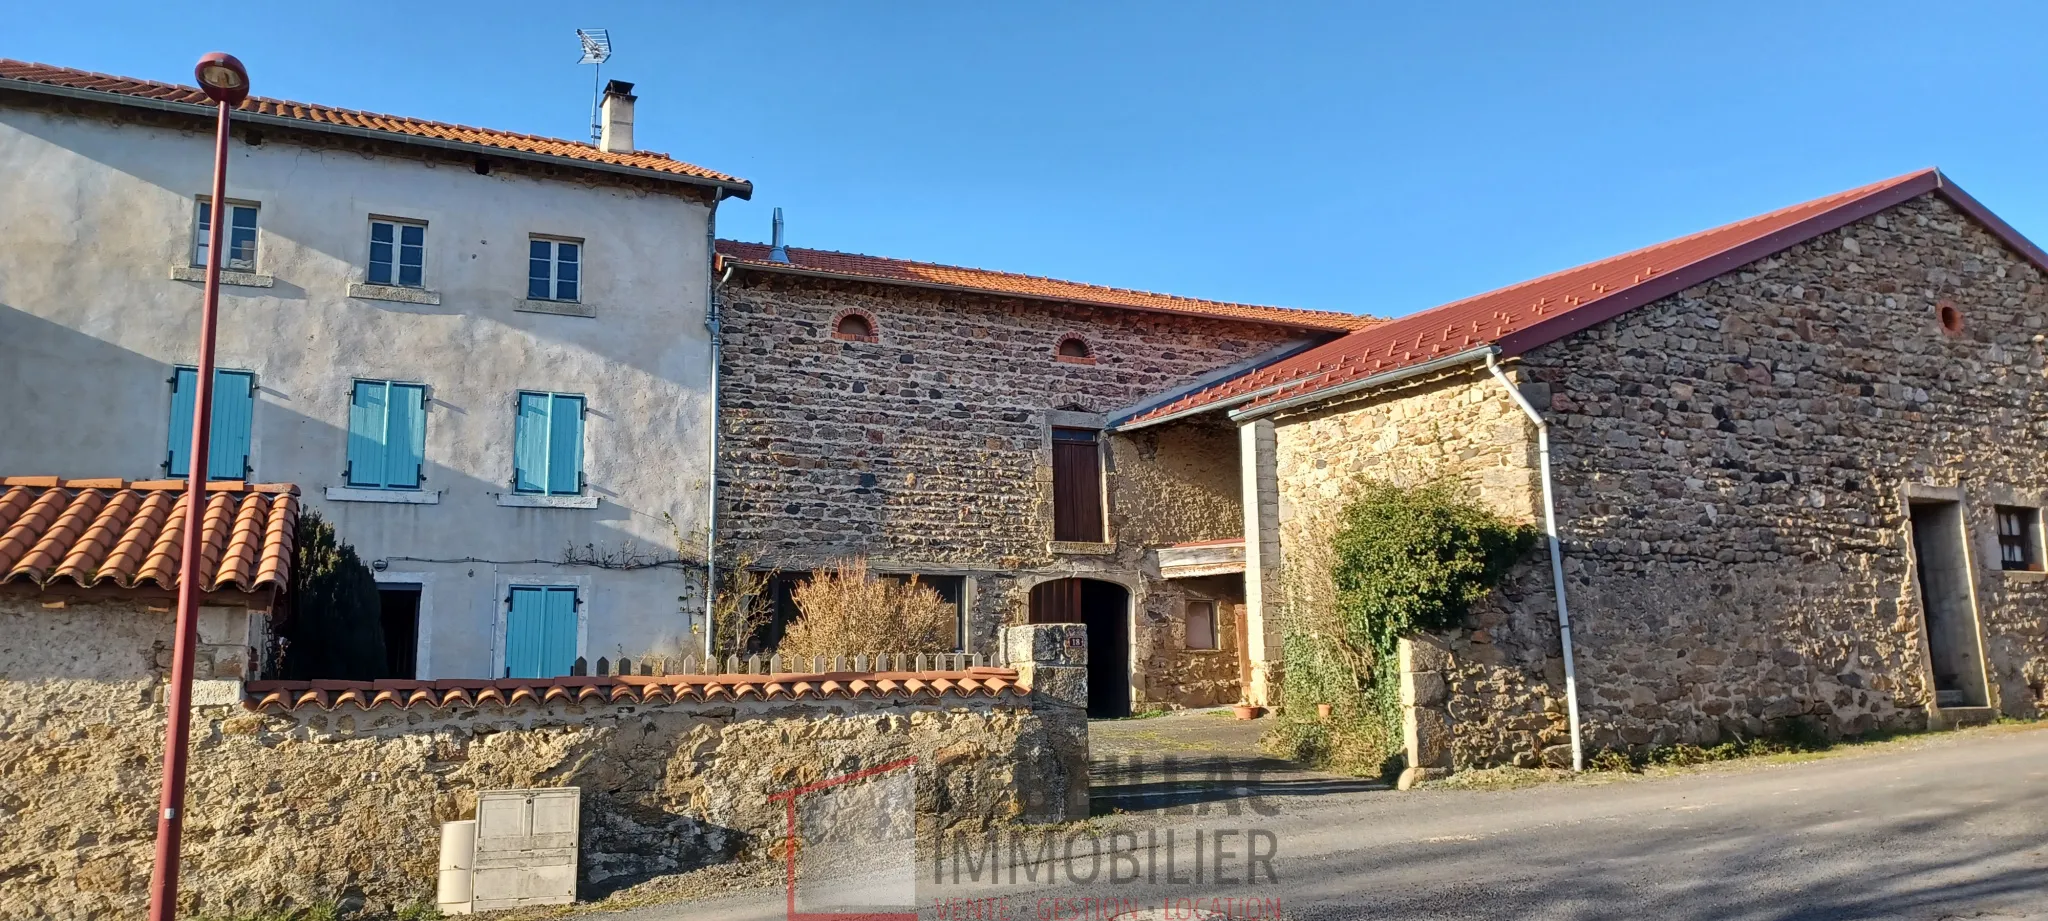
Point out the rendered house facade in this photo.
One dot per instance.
(483, 356)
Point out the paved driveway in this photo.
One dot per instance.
(1951, 826)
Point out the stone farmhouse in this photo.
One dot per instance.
(953, 424)
(1787, 463)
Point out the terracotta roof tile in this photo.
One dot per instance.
(932, 275)
(283, 696)
(1523, 316)
(50, 75)
(95, 532)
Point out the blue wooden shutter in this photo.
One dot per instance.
(565, 446)
(368, 413)
(530, 444)
(405, 433)
(558, 636)
(184, 384)
(523, 629)
(234, 406)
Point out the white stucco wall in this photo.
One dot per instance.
(93, 215)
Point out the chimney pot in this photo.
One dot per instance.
(615, 132)
(776, 251)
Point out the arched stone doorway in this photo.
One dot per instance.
(1105, 607)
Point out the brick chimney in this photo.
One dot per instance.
(615, 133)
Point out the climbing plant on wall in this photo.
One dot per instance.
(1396, 562)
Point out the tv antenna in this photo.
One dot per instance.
(597, 48)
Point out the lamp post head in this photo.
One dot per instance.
(222, 78)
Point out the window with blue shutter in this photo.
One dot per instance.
(387, 433)
(227, 442)
(540, 631)
(547, 444)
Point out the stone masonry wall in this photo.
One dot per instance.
(313, 805)
(931, 446)
(1732, 464)
(1501, 675)
(930, 451)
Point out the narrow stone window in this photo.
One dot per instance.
(1201, 623)
(855, 326)
(1076, 486)
(2019, 543)
(1074, 349)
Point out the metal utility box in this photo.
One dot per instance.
(526, 844)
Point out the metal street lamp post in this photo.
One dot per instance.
(226, 82)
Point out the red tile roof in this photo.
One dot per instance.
(1523, 316)
(399, 128)
(825, 263)
(129, 535)
(280, 696)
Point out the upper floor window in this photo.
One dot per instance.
(2019, 542)
(387, 429)
(241, 235)
(554, 269)
(1074, 349)
(227, 439)
(547, 452)
(1076, 485)
(398, 253)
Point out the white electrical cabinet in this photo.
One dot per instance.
(526, 844)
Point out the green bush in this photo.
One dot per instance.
(1413, 560)
(1401, 561)
(335, 628)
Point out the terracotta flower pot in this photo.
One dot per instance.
(1247, 711)
(1323, 712)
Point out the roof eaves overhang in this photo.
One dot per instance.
(793, 269)
(1383, 379)
(740, 189)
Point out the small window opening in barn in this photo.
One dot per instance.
(2019, 540)
(855, 326)
(1075, 349)
(1950, 317)
(1201, 624)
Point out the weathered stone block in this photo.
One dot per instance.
(1422, 689)
(1424, 653)
(1427, 734)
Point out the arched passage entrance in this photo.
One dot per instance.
(1105, 608)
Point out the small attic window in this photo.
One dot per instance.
(854, 325)
(1074, 349)
(1951, 319)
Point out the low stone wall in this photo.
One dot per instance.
(327, 790)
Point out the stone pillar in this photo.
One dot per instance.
(1052, 773)
(1425, 723)
(1262, 592)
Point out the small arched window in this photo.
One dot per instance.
(1074, 349)
(854, 325)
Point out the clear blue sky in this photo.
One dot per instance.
(1380, 159)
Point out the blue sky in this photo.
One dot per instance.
(1377, 159)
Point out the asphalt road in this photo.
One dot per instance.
(1951, 826)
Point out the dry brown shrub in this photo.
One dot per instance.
(847, 611)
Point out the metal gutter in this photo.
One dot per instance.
(732, 188)
(1564, 613)
(1469, 356)
(963, 289)
(712, 324)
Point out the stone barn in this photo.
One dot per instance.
(1793, 466)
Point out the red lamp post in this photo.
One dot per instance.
(226, 82)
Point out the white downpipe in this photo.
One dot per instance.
(1564, 616)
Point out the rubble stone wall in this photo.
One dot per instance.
(312, 805)
(1733, 463)
(929, 449)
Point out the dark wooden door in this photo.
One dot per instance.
(1076, 486)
